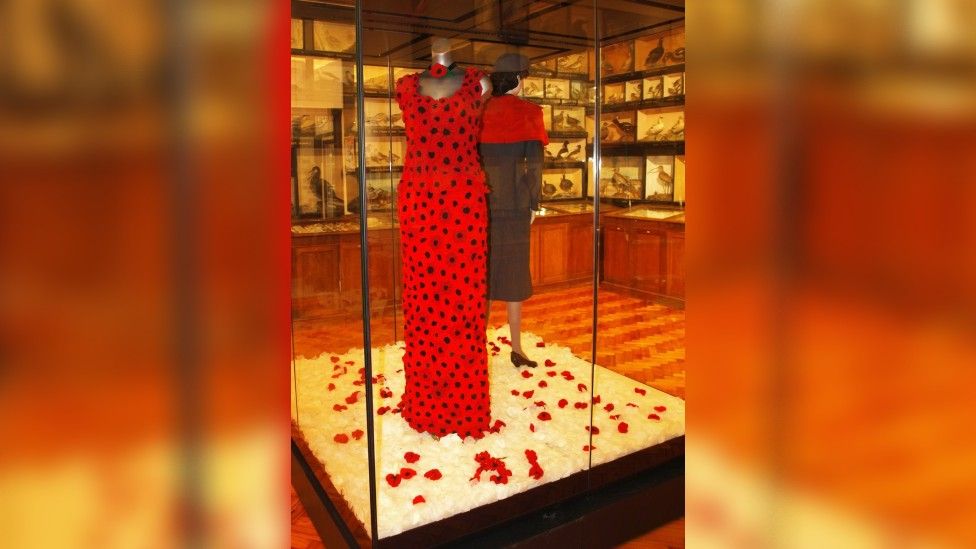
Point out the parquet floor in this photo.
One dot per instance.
(638, 338)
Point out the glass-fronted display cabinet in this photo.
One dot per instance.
(599, 423)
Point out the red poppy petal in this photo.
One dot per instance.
(411, 457)
(334, 358)
(540, 403)
(622, 427)
(551, 374)
(393, 480)
(615, 417)
(640, 391)
(540, 344)
(383, 410)
(419, 499)
(433, 474)
(341, 438)
(595, 430)
(528, 394)
(358, 434)
(659, 408)
(632, 405)
(596, 399)
(653, 416)
(515, 392)
(339, 407)
(608, 407)
(332, 386)
(543, 384)
(550, 363)
(581, 387)
(407, 473)
(532, 427)
(563, 402)
(544, 416)
(526, 374)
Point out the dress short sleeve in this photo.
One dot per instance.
(403, 89)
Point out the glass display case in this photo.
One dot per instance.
(598, 426)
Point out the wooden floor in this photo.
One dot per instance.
(638, 338)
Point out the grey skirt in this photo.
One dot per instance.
(509, 278)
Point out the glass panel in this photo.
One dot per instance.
(639, 377)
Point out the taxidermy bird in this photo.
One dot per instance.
(613, 133)
(378, 119)
(657, 91)
(665, 179)
(565, 184)
(548, 189)
(678, 129)
(678, 88)
(549, 155)
(623, 185)
(553, 90)
(655, 54)
(572, 123)
(563, 150)
(558, 120)
(677, 55)
(572, 154)
(531, 89)
(654, 131)
(626, 128)
(634, 96)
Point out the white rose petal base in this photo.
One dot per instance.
(561, 442)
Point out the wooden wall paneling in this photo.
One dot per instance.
(553, 247)
(675, 284)
(315, 278)
(647, 259)
(616, 256)
(580, 248)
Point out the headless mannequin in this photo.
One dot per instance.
(514, 308)
(439, 88)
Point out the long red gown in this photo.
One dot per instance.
(443, 231)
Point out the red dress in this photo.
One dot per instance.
(443, 231)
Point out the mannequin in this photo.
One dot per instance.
(439, 88)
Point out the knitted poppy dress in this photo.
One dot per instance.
(443, 238)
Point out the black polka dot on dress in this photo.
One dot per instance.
(443, 230)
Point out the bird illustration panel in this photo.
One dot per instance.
(654, 87)
(381, 191)
(313, 189)
(579, 91)
(533, 87)
(632, 90)
(613, 93)
(659, 50)
(333, 37)
(561, 184)
(297, 34)
(617, 58)
(675, 46)
(674, 84)
(323, 125)
(573, 63)
(385, 152)
(565, 150)
(664, 124)
(376, 79)
(568, 119)
(620, 177)
(557, 88)
(349, 77)
(659, 178)
(545, 67)
(618, 127)
(382, 114)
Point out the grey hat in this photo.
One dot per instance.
(511, 62)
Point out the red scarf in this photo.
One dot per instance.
(508, 119)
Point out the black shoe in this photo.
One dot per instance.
(519, 360)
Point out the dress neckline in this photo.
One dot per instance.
(464, 81)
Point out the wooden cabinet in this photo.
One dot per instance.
(643, 256)
(561, 249)
(326, 273)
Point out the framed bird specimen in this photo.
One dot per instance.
(533, 87)
(333, 37)
(617, 58)
(618, 127)
(385, 152)
(557, 88)
(565, 150)
(632, 90)
(620, 177)
(659, 178)
(545, 67)
(376, 79)
(674, 84)
(649, 51)
(573, 63)
(562, 183)
(316, 82)
(679, 179)
(297, 34)
(613, 93)
(664, 124)
(653, 88)
(568, 119)
(382, 115)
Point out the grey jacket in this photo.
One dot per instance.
(514, 174)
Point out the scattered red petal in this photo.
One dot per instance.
(535, 471)
(581, 387)
(532, 427)
(526, 374)
(587, 448)
(640, 391)
(351, 399)
(632, 405)
(580, 405)
(653, 416)
(596, 399)
(551, 374)
(540, 403)
(332, 386)
(608, 407)
(567, 376)
(358, 434)
(358, 382)
(543, 384)
(659, 408)
(407, 473)
(361, 371)
(341, 438)
(528, 394)
(497, 426)
(563, 402)
(515, 392)
(339, 407)
(622, 427)
(351, 363)
(386, 393)
(334, 359)
(433, 474)
(419, 499)
(383, 410)
(411, 457)
(544, 416)
(540, 344)
(393, 480)
(549, 363)
(615, 417)
(595, 430)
